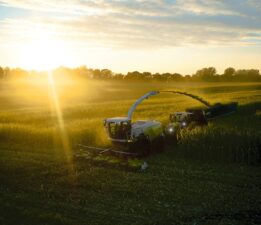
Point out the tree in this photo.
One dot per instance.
(177, 77)
(253, 74)
(106, 74)
(146, 75)
(96, 74)
(136, 75)
(157, 76)
(247, 75)
(229, 72)
(166, 76)
(118, 76)
(206, 74)
(82, 72)
(187, 77)
(1, 72)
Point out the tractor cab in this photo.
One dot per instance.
(190, 118)
(181, 118)
(118, 129)
(178, 120)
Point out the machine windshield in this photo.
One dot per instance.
(179, 117)
(119, 130)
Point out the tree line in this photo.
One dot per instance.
(205, 74)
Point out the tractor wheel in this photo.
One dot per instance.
(161, 143)
(172, 139)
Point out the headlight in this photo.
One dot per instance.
(183, 124)
(170, 129)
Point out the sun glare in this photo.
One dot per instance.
(43, 51)
(60, 121)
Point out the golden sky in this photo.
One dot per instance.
(123, 35)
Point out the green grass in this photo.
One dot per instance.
(211, 177)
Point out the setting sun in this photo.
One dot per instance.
(43, 52)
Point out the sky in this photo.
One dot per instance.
(146, 35)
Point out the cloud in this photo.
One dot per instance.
(138, 23)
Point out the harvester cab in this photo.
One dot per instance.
(118, 129)
(121, 130)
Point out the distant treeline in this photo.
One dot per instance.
(206, 74)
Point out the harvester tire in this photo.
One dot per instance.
(147, 145)
(141, 146)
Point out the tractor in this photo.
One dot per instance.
(182, 120)
(195, 117)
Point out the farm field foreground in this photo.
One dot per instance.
(211, 177)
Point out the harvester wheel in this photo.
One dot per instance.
(142, 145)
(172, 139)
(146, 145)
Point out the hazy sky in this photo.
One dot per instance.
(122, 35)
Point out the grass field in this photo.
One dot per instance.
(211, 177)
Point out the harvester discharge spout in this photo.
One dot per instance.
(146, 96)
(192, 96)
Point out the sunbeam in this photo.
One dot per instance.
(59, 115)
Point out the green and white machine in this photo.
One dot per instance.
(139, 135)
